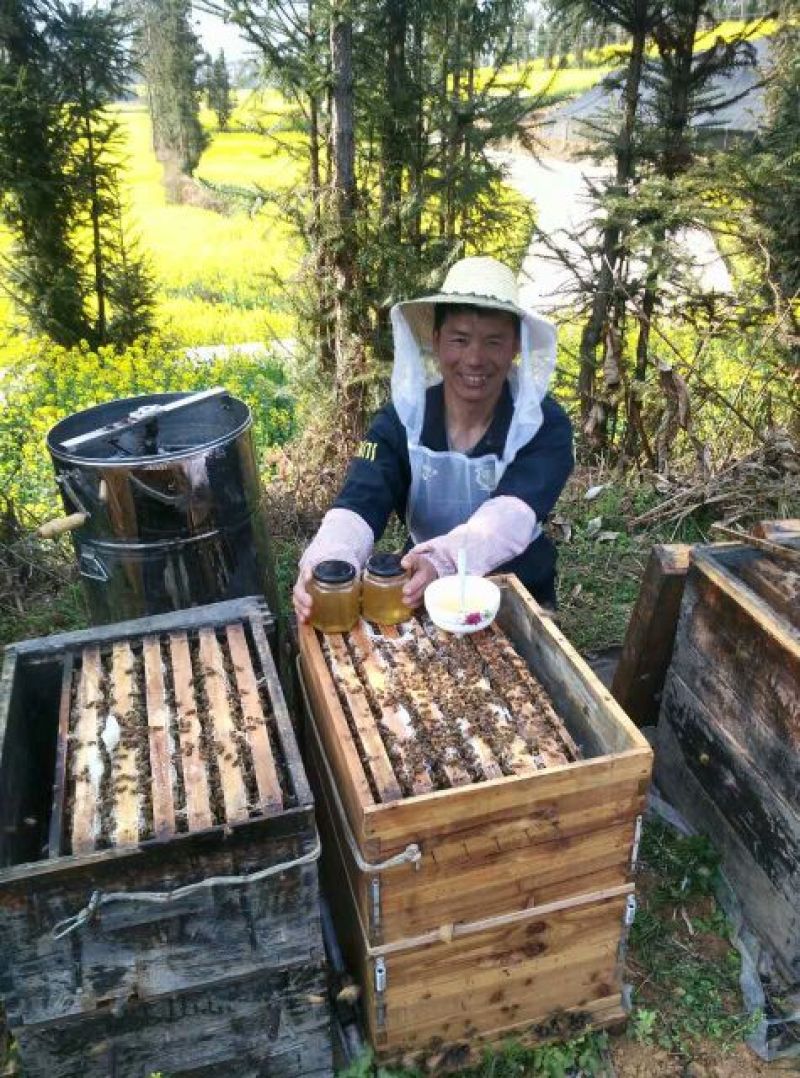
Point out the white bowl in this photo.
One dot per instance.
(481, 603)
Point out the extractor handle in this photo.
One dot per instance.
(52, 528)
(141, 415)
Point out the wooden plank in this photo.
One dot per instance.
(449, 811)
(526, 699)
(470, 1051)
(177, 620)
(713, 569)
(725, 623)
(270, 798)
(125, 771)
(766, 825)
(159, 739)
(427, 711)
(441, 684)
(475, 983)
(507, 882)
(773, 915)
(394, 718)
(765, 724)
(374, 750)
(782, 552)
(234, 793)
(778, 586)
(332, 725)
(553, 938)
(62, 748)
(778, 531)
(87, 766)
(650, 636)
(283, 725)
(195, 775)
(591, 713)
(467, 1015)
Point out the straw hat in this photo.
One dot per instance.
(479, 281)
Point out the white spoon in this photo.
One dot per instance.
(462, 581)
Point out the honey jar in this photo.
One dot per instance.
(382, 590)
(335, 596)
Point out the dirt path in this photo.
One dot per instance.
(560, 189)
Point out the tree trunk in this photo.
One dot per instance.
(348, 348)
(95, 214)
(395, 123)
(592, 334)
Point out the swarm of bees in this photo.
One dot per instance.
(464, 701)
(122, 768)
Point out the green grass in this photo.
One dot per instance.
(584, 1055)
(685, 971)
(599, 575)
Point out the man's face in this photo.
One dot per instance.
(475, 352)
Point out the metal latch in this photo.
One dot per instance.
(627, 920)
(630, 910)
(380, 988)
(375, 892)
(637, 838)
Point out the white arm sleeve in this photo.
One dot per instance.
(497, 531)
(343, 536)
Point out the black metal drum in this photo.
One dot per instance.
(172, 502)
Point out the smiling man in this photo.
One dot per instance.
(471, 452)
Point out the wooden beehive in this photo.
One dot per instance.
(728, 748)
(137, 759)
(522, 795)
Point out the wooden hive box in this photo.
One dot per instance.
(512, 911)
(147, 769)
(728, 743)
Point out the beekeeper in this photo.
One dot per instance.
(471, 451)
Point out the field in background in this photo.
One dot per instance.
(219, 273)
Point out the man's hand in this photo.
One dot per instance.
(300, 597)
(421, 573)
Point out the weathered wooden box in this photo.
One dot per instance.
(728, 747)
(151, 778)
(271, 1023)
(506, 906)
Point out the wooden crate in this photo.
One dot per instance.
(728, 749)
(273, 1023)
(520, 874)
(204, 782)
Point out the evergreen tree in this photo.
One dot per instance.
(36, 203)
(218, 89)
(170, 59)
(400, 114)
(73, 271)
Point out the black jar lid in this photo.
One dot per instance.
(334, 572)
(385, 565)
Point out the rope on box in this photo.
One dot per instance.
(102, 898)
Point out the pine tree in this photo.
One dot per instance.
(73, 270)
(170, 59)
(37, 206)
(399, 114)
(218, 89)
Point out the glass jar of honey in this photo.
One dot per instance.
(382, 590)
(335, 596)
